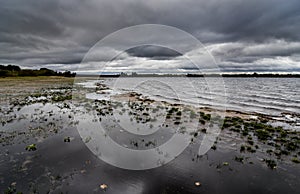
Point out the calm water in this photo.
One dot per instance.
(271, 96)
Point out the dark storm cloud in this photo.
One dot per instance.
(240, 34)
(150, 51)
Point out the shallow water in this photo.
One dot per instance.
(71, 167)
(270, 96)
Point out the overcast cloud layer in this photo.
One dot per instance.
(242, 35)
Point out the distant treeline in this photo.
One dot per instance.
(15, 71)
(247, 75)
(202, 75)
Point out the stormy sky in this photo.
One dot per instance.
(241, 35)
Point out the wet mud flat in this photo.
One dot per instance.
(43, 150)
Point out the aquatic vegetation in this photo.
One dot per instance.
(295, 160)
(206, 116)
(284, 152)
(235, 129)
(88, 139)
(262, 134)
(225, 163)
(251, 142)
(202, 122)
(226, 124)
(193, 114)
(31, 147)
(250, 149)
(245, 132)
(149, 143)
(234, 124)
(291, 146)
(196, 134)
(177, 118)
(271, 163)
(67, 139)
(134, 143)
(214, 147)
(243, 148)
(12, 190)
(44, 96)
(176, 122)
(283, 134)
(239, 159)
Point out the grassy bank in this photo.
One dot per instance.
(9, 84)
(17, 88)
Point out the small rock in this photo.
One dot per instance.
(103, 186)
(197, 184)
